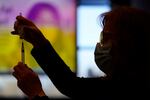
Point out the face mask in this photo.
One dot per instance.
(103, 58)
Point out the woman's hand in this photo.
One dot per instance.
(27, 30)
(27, 80)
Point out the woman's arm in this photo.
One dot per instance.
(60, 74)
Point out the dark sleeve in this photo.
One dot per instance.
(59, 73)
(61, 76)
(41, 98)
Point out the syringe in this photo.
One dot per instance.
(22, 46)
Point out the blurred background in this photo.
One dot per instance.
(73, 28)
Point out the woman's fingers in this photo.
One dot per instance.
(14, 33)
(16, 75)
(24, 21)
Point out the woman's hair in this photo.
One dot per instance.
(132, 38)
(128, 19)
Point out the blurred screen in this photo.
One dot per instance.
(55, 18)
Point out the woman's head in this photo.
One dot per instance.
(127, 29)
(125, 23)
